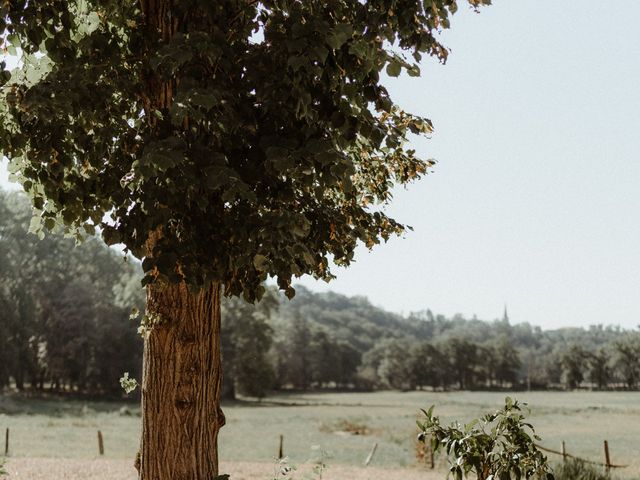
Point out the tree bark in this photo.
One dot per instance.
(181, 385)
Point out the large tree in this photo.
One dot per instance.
(574, 361)
(246, 338)
(223, 142)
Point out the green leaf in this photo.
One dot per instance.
(110, 235)
(394, 68)
(302, 117)
(5, 76)
(260, 262)
(50, 223)
(280, 158)
(14, 40)
(339, 35)
(127, 383)
(469, 426)
(205, 100)
(35, 225)
(297, 62)
(413, 71)
(308, 258)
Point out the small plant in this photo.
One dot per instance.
(574, 469)
(128, 383)
(319, 464)
(283, 469)
(2, 470)
(497, 446)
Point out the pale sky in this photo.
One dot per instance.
(535, 199)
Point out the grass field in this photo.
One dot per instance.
(312, 423)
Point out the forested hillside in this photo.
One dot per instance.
(433, 351)
(64, 326)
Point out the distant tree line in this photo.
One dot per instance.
(330, 340)
(64, 326)
(63, 309)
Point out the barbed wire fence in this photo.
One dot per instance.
(607, 457)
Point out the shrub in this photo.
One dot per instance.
(497, 446)
(574, 469)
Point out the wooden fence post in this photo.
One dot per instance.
(607, 458)
(563, 449)
(431, 461)
(6, 442)
(100, 443)
(371, 454)
(280, 449)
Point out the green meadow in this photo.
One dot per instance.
(342, 425)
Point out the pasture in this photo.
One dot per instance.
(339, 427)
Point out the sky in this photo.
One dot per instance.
(535, 198)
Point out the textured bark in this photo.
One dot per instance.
(181, 385)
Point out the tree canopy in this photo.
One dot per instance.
(251, 139)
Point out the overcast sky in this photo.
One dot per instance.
(535, 199)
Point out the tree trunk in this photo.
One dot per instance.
(19, 377)
(181, 385)
(228, 387)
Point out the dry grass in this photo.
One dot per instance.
(66, 429)
(103, 469)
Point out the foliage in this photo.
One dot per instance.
(62, 311)
(600, 369)
(427, 350)
(60, 304)
(127, 383)
(222, 143)
(627, 351)
(463, 355)
(429, 366)
(250, 139)
(388, 364)
(507, 360)
(498, 446)
(319, 461)
(246, 340)
(308, 354)
(574, 469)
(285, 470)
(573, 361)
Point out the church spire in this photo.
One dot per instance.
(505, 317)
